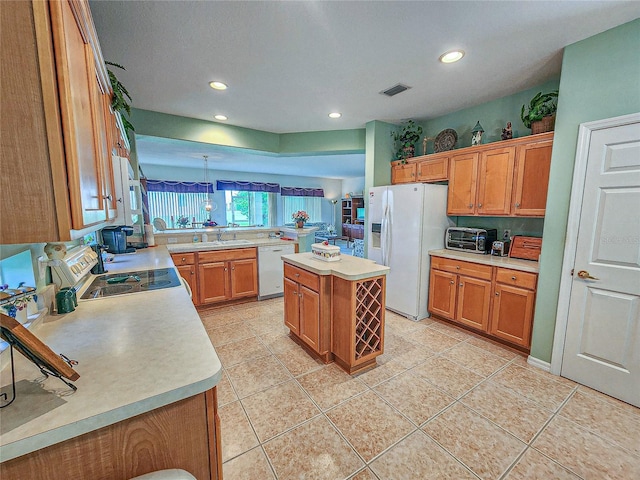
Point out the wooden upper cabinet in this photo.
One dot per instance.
(533, 162)
(53, 82)
(403, 172)
(463, 183)
(81, 111)
(495, 181)
(433, 170)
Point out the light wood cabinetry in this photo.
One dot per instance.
(508, 178)
(494, 300)
(227, 275)
(432, 169)
(53, 82)
(186, 265)
(402, 172)
(513, 302)
(533, 162)
(307, 309)
(184, 434)
(358, 322)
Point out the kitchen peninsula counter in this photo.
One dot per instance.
(136, 354)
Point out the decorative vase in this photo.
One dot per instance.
(300, 223)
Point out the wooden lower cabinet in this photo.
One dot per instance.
(494, 300)
(513, 302)
(220, 275)
(186, 266)
(307, 309)
(184, 434)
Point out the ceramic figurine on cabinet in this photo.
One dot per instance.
(476, 134)
(507, 134)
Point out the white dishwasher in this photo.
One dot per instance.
(271, 269)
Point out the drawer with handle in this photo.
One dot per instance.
(516, 278)
(464, 268)
(183, 259)
(303, 277)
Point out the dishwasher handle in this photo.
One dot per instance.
(186, 286)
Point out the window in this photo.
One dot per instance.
(311, 205)
(169, 206)
(245, 208)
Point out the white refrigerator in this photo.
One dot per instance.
(404, 222)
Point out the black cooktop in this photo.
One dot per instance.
(131, 282)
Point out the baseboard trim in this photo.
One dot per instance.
(546, 366)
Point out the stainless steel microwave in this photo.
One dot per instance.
(474, 240)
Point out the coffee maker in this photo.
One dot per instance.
(115, 239)
(98, 268)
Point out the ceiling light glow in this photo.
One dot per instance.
(452, 56)
(221, 117)
(218, 85)
(335, 115)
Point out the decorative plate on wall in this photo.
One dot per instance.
(445, 140)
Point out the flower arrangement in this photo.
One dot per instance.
(183, 221)
(300, 216)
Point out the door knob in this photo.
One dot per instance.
(584, 275)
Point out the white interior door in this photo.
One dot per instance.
(602, 339)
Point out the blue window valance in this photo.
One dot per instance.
(301, 192)
(178, 187)
(248, 186)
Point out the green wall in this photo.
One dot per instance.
(183, 128)
(600, 79)
(493, 117)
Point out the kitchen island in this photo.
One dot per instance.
(146, 397)
(335, 310)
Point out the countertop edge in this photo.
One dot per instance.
(320, 267)
(492, 260)
(67, 432)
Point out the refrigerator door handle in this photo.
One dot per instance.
(385, 234)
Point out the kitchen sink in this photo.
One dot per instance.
(226, 242)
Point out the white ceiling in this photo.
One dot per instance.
(289, 63)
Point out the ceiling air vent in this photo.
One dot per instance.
(396, 89)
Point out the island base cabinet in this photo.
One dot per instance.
(358, 322)
(184, 435)
(307, 310)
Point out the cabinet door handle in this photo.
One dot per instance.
(513, 278)
(457, 267)
(471, 205)
(451, 282)
(300, 295)
(233, 268)
(517, 205)
(462, 284)
(497, 294)
(184, 259)
(225, 269)
(479, 205)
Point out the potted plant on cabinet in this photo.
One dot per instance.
(540, 117)
(119, 101)
(405, 140)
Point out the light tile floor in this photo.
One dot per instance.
(442, 403)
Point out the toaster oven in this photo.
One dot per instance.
(475, 240)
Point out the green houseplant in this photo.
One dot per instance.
(405, 140)
(540, 116)
(119, 101)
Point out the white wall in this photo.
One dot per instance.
(353, 185)
(333, 188)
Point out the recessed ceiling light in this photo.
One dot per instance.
(218, 85)
(335, 115)
(220, 117)
(452, 56)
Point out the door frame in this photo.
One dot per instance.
(571, 240)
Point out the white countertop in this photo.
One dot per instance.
(506, 262)
(135, 353)
(227, 244)
(348, 267)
